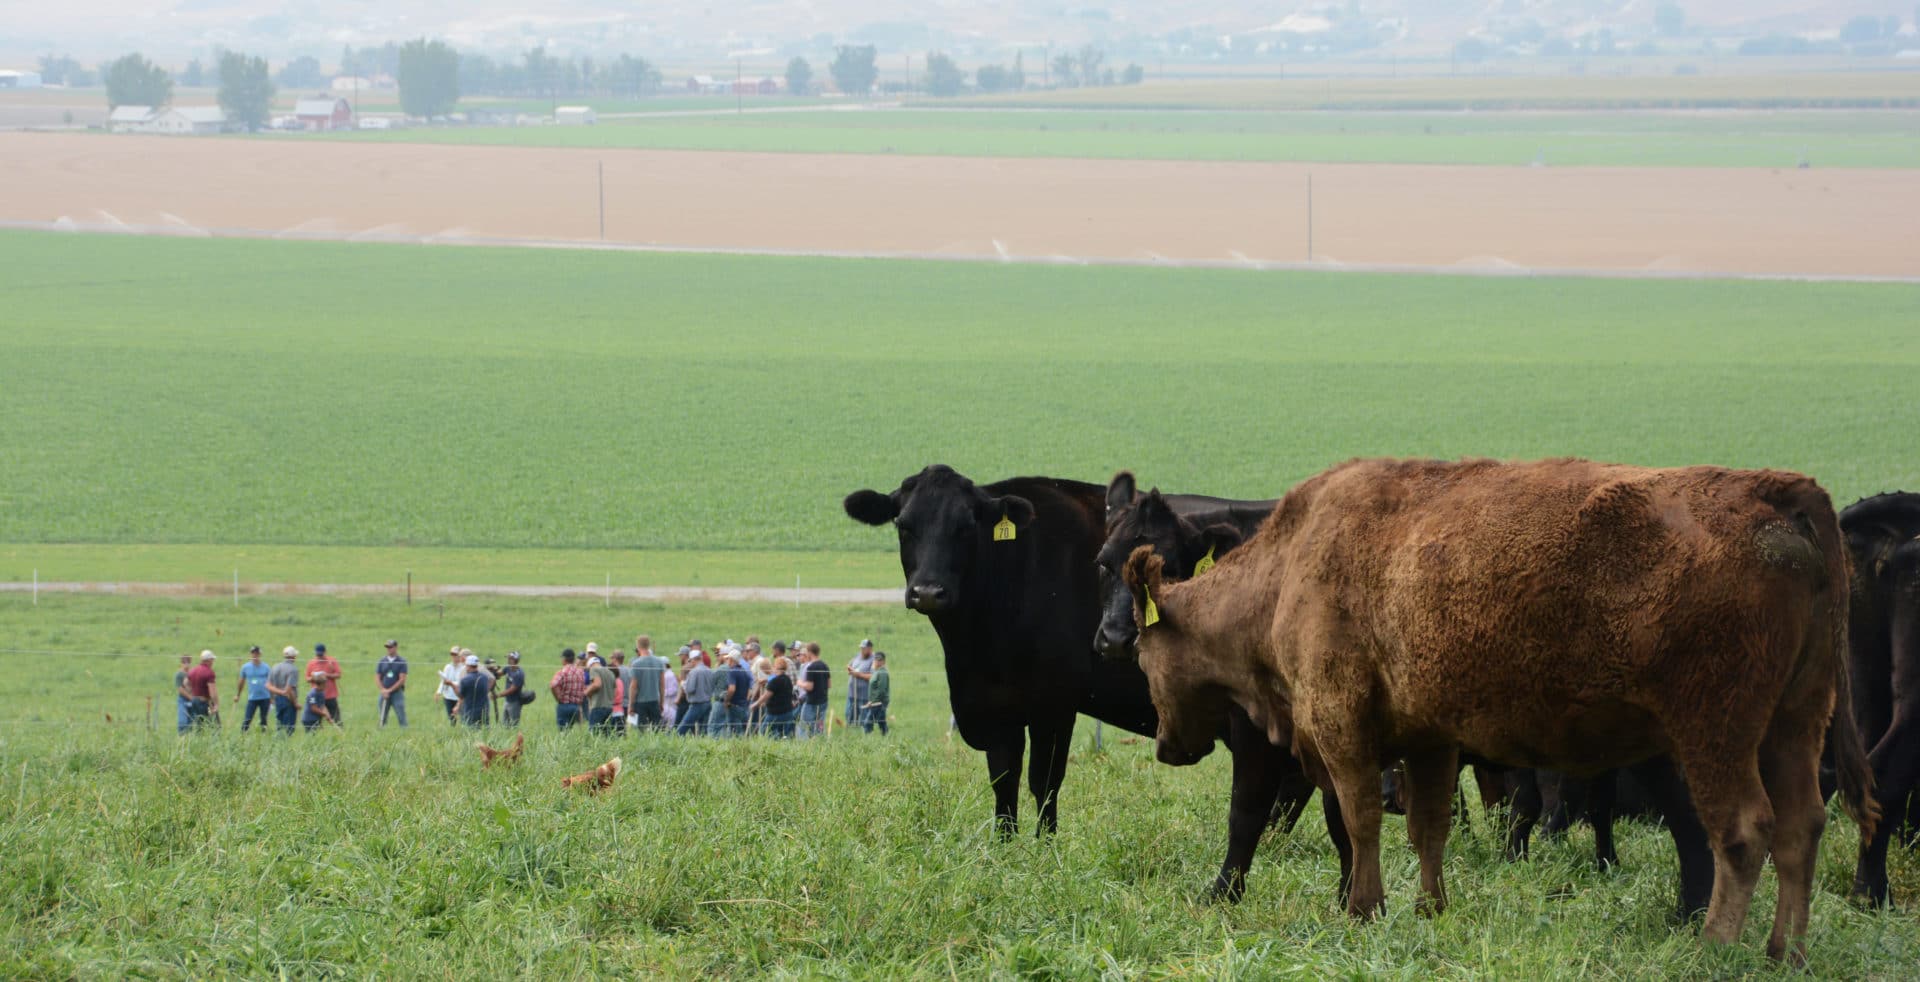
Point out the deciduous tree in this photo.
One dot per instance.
(429, 78)
(799, 77)
(853, 69)
(132, 80)
(246, 90)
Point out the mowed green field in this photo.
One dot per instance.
(256, 394)
(133, 852)
(1624, 139)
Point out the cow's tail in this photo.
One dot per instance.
(1850, 765)
(1806, 505)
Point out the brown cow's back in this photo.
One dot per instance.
(1536, 611)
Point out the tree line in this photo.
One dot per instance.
(432, 76)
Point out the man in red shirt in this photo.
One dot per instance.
(202, 697)
(325, 664)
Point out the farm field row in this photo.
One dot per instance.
(1785, 89)
(213, 566)
(164, 391)
(137, 852)
(1622, 139)
(1639, 220)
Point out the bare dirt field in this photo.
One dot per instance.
(1683, 220)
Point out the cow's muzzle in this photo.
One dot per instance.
(928, 598)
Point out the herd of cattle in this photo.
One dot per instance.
(1698, 635)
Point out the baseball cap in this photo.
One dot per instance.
(693, 643)
(566, 654)
(253, 650)
(290, 651)
(319, 649)
(207, 655)
(317, 677)
(391, 643)
(453, 650)
(473, 662)
(466, 652)
(513, 656)
(592, 648)
(866, 642)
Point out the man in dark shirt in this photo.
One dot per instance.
(202, 699)
(816, 678)
(475, 706)
(731, 692)
(317, 712)
(391, 674)
(513, 685)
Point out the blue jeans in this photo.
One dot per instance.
(874, 716)
(397, 703)
(252, 705)
(566, 714)
(648, 713)
(727, 720)
(186, 720)
(286, 713)
(597, 720)
(694, 719)
(811, 717)
(780, 725)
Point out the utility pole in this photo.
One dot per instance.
(739, 101)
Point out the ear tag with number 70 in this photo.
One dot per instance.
(1205, 563)
(1003, 530)
(1152, 614)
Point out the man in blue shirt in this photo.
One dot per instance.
(253, 688)
(317, 712)
(513, 690)
(391, 674)
(475, 707)
(730, 691)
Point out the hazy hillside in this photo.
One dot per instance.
(174, 30)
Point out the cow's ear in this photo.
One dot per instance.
(1144, 574)
(1013, 507)
(1120, 491)
(1216, 541)
(871, 507)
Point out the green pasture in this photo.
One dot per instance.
(1789, 86)
(1622, 139)
(132, 852)
(264, 394)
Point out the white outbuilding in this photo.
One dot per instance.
(130, 119)
(10, 79)
(189, 121)
(574, 116)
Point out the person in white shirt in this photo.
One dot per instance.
(450, 680)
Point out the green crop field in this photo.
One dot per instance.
(1790, 86)
(247, 394)
(1632, 139)
(132, 852)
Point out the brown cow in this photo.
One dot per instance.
(1560, 614)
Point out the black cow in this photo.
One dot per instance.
(1269, 787)
(1264, 773)
(1005, 574)
(1883, 629)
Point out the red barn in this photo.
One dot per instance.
(323, 114)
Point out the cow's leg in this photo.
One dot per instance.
(1431, 778)
(1258, 769)
(1662, 782)
(1492, 784)
(1047, 767)
(1601, 791)
(1896, 771)
(1523, 811)
(1003, 769)
(1733, 808)
(1356, 780)
(1342, 843)
(1790, 769)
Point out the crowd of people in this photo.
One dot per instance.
(734, 689)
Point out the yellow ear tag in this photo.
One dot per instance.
(1152, 616)
(1205, 563)
(1003, 530)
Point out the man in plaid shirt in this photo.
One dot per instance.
(569, 688)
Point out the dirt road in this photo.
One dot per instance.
(1622, 220)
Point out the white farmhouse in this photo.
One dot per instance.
(130, 119)
(188, 121)
(574, 116)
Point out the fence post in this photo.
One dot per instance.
(36, 586)
(409, 588)
(236, 586)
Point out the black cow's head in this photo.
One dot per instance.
(945, 522)
(1145, 520)
(1189, 695)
